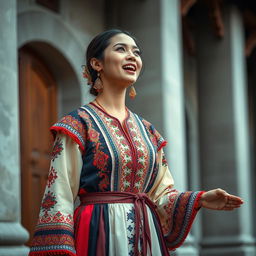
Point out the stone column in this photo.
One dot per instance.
(160, 99)
(173, 102)
(224, 140)
(12, 234)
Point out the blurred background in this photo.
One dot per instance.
(198, 88)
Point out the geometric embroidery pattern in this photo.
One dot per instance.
(48, 202)
(56, 218)
(131, 231)
(57, 148)
(52, 177)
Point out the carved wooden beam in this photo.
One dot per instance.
(250, 26)
(188, 39)
(250, 43)
(186, 5)
(249, 19)
(214, 8)
(189, 42)
(215, 15)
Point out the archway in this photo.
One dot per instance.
(54, 40)
(55, 46)
(47, 86)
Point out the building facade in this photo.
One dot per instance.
(198, 80)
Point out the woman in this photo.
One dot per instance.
(114, 161)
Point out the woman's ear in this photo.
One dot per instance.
(96, 64)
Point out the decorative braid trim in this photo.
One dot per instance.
(163, 144)
(52, 253)
(55, 129)
(192, 217)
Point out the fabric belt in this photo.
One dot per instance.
(140, 200)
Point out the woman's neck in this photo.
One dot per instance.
(112, 100)
(113, 106)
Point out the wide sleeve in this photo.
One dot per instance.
(176, 210)
(54, 233)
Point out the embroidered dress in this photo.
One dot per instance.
(94, 152)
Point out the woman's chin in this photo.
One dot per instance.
(130, 81)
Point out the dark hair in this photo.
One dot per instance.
(96, 50)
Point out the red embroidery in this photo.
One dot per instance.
(93, 135)
(59, 217)
(133, 164)
(53, 230)
(52, 177)
(100, 160)
(164, 161)
(168, 209)
(61, 239)
(56, 218)
(82, 191)
(155, 137)
(103, 184)
(75, 124)
(137, 176)
(49, 201)
(183, 217)
(53, 253)
(57, 149)
(83, 114)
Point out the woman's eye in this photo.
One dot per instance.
(137, 53)
(120, 49)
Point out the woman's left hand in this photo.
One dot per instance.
(219, 199)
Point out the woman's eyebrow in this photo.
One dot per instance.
(125, 45)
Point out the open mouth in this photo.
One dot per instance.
(129, 67)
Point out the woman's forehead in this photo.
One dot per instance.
(122, 39)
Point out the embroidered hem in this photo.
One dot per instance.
(191, 220)
(52, 253)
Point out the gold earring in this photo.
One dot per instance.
(132, 92)
(98, 86)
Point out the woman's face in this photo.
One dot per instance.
(122, 62)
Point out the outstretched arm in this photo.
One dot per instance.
(219, 199)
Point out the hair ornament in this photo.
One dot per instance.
(87, 75)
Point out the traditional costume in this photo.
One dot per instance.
(128, 205)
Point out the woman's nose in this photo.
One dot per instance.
(131, 56)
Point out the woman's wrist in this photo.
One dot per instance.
(200, 201)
